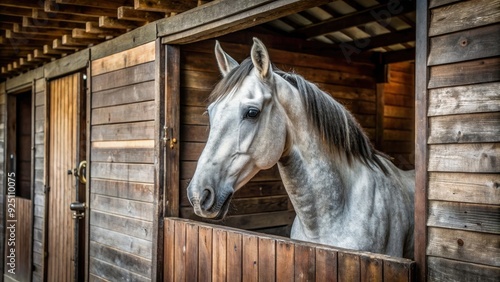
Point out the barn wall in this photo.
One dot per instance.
(398, 115)
(263, 204)
(122, 165)
(463, 141)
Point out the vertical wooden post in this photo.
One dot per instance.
(421, 79)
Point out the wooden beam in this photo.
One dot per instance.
(94, 28)
(20, 3)
(57, 45)
(81, 33)
(42, 15)
(108, 4)
(29, 22)
(38, 31)
(218, 18)
(379, 13)
(15, 11)
(67, 40)
(385, 39)
(176, 6)
(53, 7)
(131, 14)
(28, 37)
(38, 54)
(398, 56)
(114, 23)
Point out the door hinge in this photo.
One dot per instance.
(168, 137)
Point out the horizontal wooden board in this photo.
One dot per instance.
(465, 45)
(481, 158)
(191, 151)
(464, 216)
(123, 189)
(241, 206)
(143, 111)
(128, 58)
(126, 262)
(464, 99)
(194, 116)
(465, 246)
(398, 112)
(121, 132)
(471, 72)
(139, 92)
(397, 135)
(441, 269)
(398, 100)
(464, 187)
(126, 172)
(122, 207)
(104, 270)
(127, 76)
(199, 80)
(470, 128)
(194, 97)
(122, 155)
(134, 227)
(459, 16)
(194, 133)
(122, 242)
(398, 123)
(188, 168)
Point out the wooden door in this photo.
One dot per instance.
(66, 150)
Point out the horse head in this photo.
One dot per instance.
(247, 131)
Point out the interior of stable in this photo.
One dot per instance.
(379, 93)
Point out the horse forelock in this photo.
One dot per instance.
(231, 82)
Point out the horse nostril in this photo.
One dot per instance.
(207, 198)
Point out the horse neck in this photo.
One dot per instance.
(317, 183)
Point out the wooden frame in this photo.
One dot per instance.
(421, 78)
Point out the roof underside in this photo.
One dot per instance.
(36, 32)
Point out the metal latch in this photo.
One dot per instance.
(78, 210)
(168, 133)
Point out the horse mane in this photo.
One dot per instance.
(338, 129)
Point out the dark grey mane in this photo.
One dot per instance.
(335, 124)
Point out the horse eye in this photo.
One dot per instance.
(252, 113)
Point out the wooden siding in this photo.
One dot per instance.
(63, 119)
(263, 204)
(196, 251)
(39, 180)
(464, 142)
(398, 115)
(122, 161)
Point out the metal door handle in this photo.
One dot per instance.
(80, 173)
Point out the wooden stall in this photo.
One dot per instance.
(123, 86)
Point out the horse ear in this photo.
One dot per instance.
(225, 62)
(260, 58)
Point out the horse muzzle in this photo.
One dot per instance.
(208, 204)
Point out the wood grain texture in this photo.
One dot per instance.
(479, 157)
(465, 216)
(465, 45)
(128, 58)
(475, 98)
(458, 16)
(465, 187)
(464, 246)
(285, 256)
(441, 269)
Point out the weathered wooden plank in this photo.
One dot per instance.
(126, 243)
(136, 151)
(470, 128)
(123, 77)
(371, 268)
(121, 132)
(68, 64)
(398, 123)
(180, 268)
(128, 58)
(234, 257)
(123, 224)
(139, 92)
(107, 271)
(123, 189)
(464, 216)
(143, 111)
(127, 262)
(199, 80)
(250, 257)
(398, 135)
(326, 264)
(478, 71)
(348, 267)
(397, 112)
(458, 16)
(464, 99)
(219, 252)
(194, 133)
(305, 263)
(168, 250)
(192, 242)
(125, 172)
(441, 269)
(396, 272)
(205, 254)
(481, 158)
(285, 256)
(465, 246)
(465, 45)
(122, 207)
(398, 100)
(267, 259)
(465, 187)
